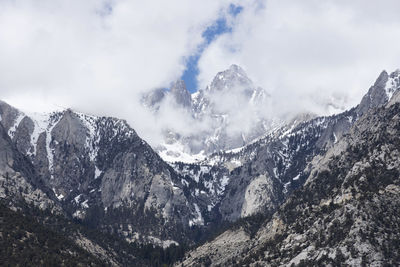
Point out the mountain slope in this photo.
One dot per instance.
(265, 172)
(102, 173)
(346, 212)
(26, 242)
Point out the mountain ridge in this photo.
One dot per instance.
(98, 171)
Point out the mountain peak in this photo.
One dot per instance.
(180, 93)
(381, 92)
(235, 76)
(395, 73)
(178, 85)
(236, 68)
(382, 79)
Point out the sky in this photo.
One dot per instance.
(100, 56)
(218, 27)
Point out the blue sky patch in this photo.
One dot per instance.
(210, 34)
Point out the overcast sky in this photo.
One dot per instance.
(99, 56)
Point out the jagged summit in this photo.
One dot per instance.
(180, 94)
(381, 92)
(233, 77)
(153, 98)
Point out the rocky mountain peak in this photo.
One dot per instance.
(8, 114)
(153, 98)
(377, 94)
(70, 128)
(233, 77)
(180, 94)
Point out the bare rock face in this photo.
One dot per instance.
(9, 115)
(379, 93)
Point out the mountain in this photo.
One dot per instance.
(180, 94)
(338, 207)
(34, 226)
(100, 171)
(95, 182)
(222, 124)
(346, 212)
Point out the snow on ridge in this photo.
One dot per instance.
(53, 121)
(40, 124)
(92, 137)
(17, 121)
(176, 153)
(44, 122)
(199, 219)
(392, 84)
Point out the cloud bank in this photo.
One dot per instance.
(100, 56)
(97, 56)
(308, 52)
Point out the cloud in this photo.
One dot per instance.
(308, 53)
(97, 56)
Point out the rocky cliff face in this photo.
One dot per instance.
(344, 214)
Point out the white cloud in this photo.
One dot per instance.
(307, 51)
(97, 56)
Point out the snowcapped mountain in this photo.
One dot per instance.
(97, 170)
(261, 175)
(224, 124)
(344, 210)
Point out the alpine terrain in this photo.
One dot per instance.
(303, 190)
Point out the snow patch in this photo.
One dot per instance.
(224, 183)
(97, 172)
(350, 119)
(392, 84)
(40, 123)
(77, 198)
(285, 187)
(184, 182)
(85, 204)
(13, 128)
(49, 151)
(176, 153)
(92, 137)
(79, 214)
(199, 219)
